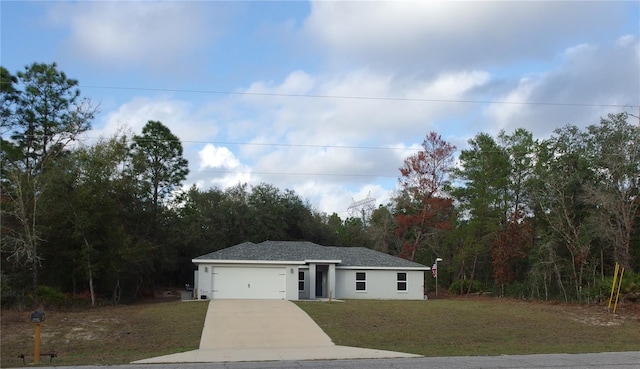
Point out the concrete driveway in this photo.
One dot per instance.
(264, 330)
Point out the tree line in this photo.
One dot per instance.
(533, 218)
(109, 222)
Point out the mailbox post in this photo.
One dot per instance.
(37, 317)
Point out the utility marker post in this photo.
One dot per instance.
(36, 344)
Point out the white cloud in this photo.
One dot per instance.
(183, 119)
(128, 33)
(450, 86)
(346, 116)
(417, 61)
(312, 127)
(217, 157)
(328, 143)
(428, 36)
(324, 149)
(508, 108)
(310, 132)
(220, 168)
(297, 82)
(588, 78)
(626, 41)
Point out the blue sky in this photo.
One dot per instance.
(230, 78)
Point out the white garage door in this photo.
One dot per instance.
(248, 283)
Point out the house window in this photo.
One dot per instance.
(402, 281)
(206, 269)
(361, 281)
(300, 281)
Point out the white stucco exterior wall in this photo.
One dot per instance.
(380, 284)
(332, 281)
(291, 282)
(203, 282)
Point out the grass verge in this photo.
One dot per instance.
(105, 335)
(460, 327)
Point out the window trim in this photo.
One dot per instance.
(361, 281)
(402, 281)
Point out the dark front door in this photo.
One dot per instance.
(319, 275)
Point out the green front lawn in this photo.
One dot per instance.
(453, 327)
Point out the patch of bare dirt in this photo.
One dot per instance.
(595, 318)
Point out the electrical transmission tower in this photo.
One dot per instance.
(362, 208)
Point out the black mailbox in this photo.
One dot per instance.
(37, 316)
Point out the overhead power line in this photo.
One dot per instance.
(354, 97)
(317, 146)
(313, 174)
(411, 149)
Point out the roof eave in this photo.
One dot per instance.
(224, 261)
(322, 261)
(382, 268)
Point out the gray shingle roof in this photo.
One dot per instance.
(301, 251)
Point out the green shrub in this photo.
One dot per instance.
(461, 286)
(630, 282)
(601, 291)
(520, 290)
(51, 296)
